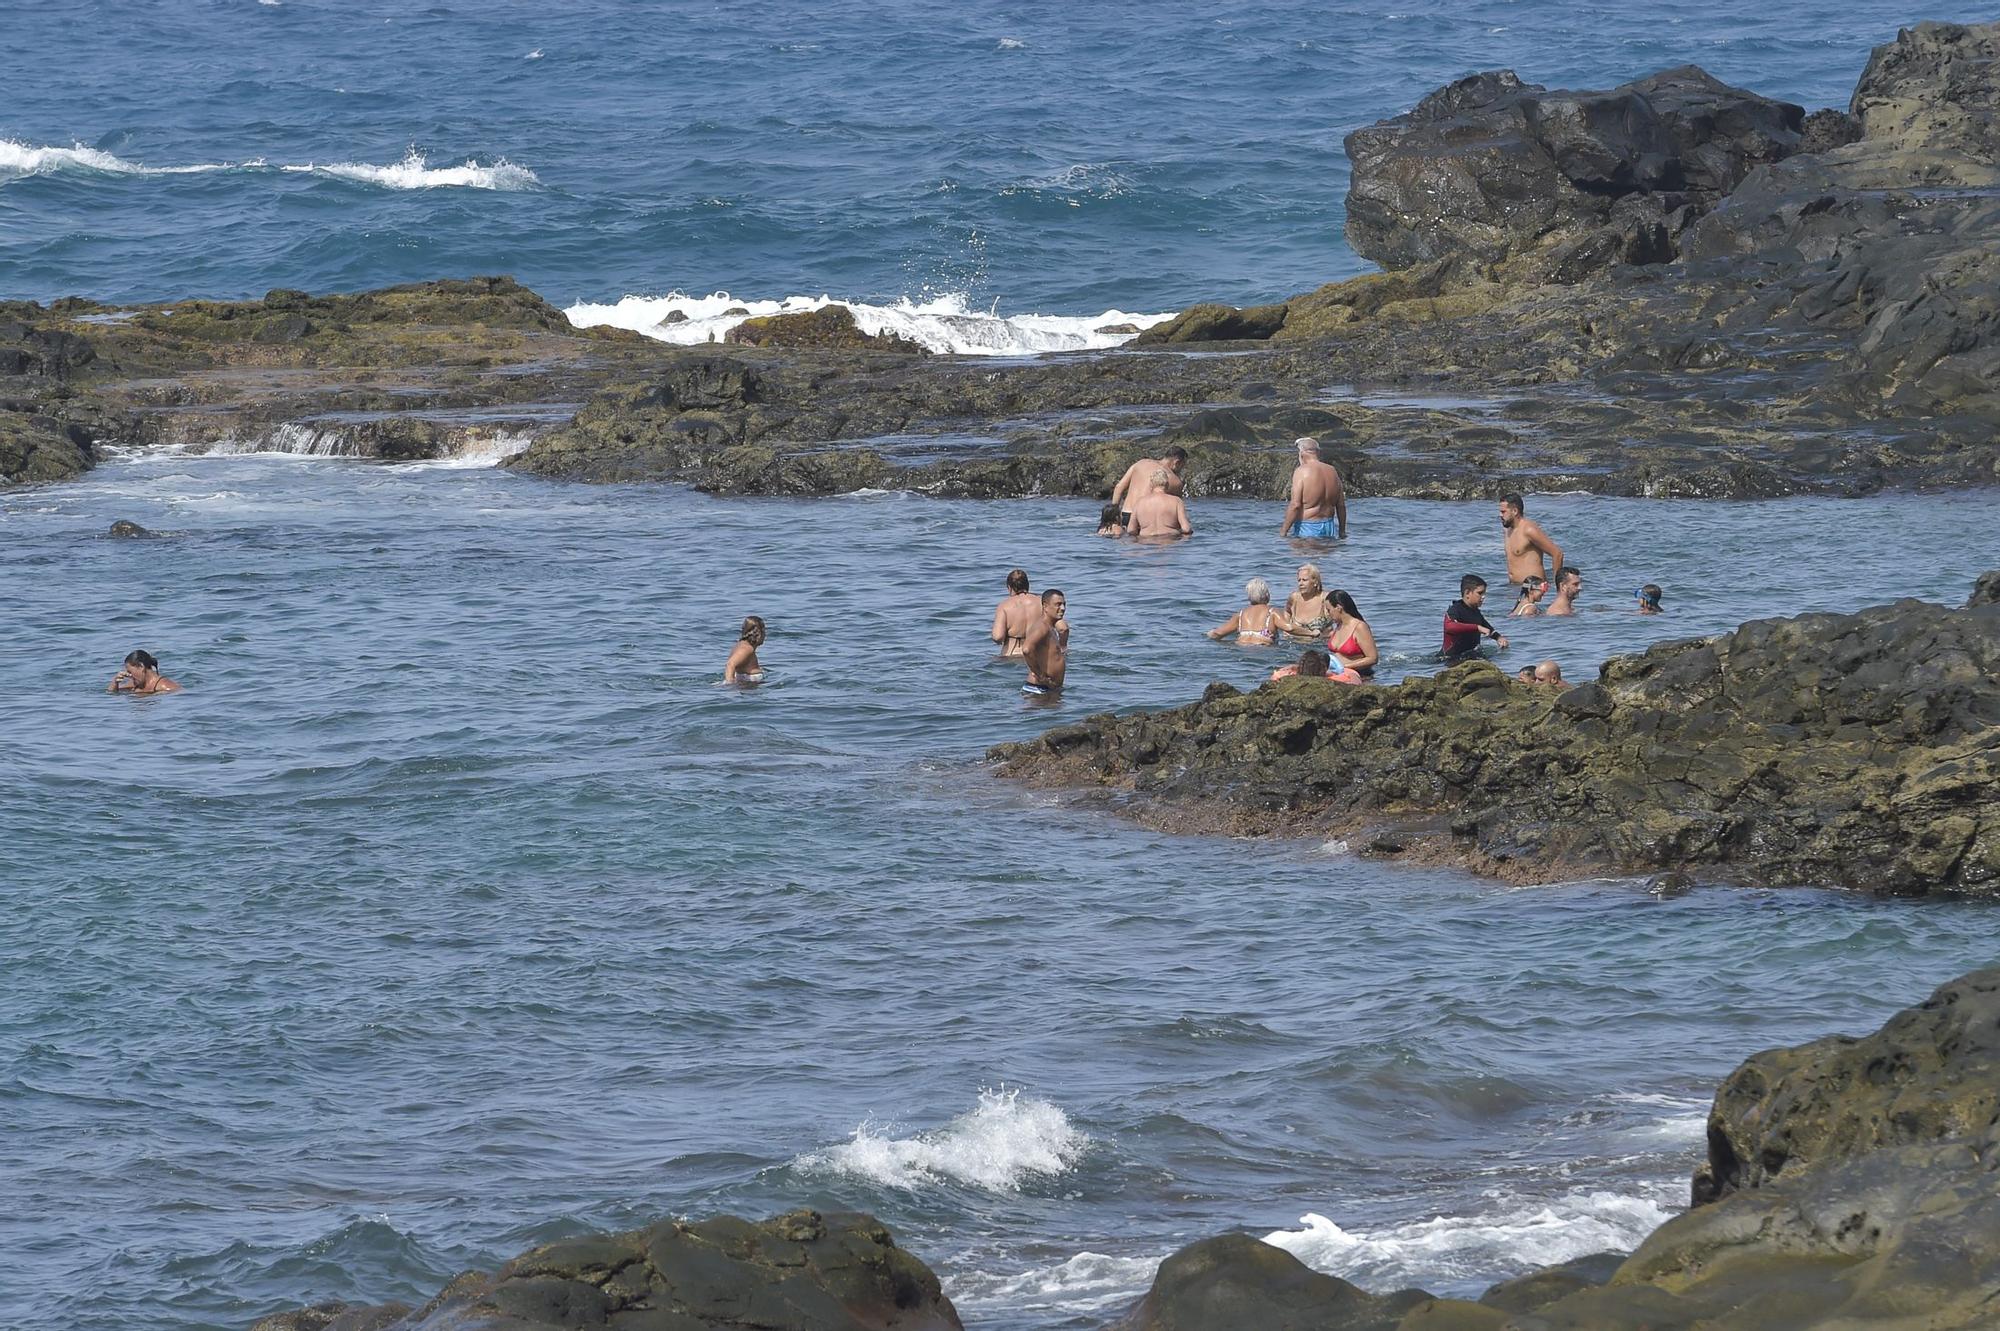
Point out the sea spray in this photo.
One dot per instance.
(999, 1145)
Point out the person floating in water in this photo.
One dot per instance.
(1649, 599)
(1526, 543)
(1314, 664)
(1047, 648)
(1569, 583)
(1316, 507)
(1110, 522)
(1533, 589)
(1161, 514)
(1464, 624)
(1257, 622)
(141, 677)
(1013, 615)
(1138, 482)
(742, 667)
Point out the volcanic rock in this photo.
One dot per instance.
(1860, 750)
(802, 1271)
(829, 328)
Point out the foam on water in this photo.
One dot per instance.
(1000, 1145)
(18, 159)
(942, 324)
(1086, 1283)
(416, 172)
(1514, 1234)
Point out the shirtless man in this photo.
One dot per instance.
(141, 676)
(1012, 616)
(1317, 505)
(1047, 648)
(1137, 482)
(1568, 583)
(1526, 543)
(1161, 513)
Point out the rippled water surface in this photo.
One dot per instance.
(455, 906)
(1067, 159)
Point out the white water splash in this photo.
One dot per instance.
(942, 324)
(999, 1145)
(1086, 1283)
(1512, 1237)
(19, 160)
(416, 172)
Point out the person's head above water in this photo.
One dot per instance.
(1532, 587)
(143, 660)
(1160, 477)
(1649, 598)
(1471, 583)
(1314, 662)
(1548, 672)
(1258, 590)
(753, 631)
(1053, 599)
(1511, 509)
(1175, 458)
(1017, 581)
(1308, 447)
(1344, 603)
(1570, 579)
(1110, 516)
(1309, 581)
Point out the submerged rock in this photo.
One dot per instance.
(802, 1271)
(1861, 750)
(127, 530)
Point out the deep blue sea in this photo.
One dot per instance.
(927, 158)
(456, 907)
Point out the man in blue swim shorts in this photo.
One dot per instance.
(1316, 508)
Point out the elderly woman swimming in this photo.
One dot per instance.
(1256, 622)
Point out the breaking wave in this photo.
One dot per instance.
(1510, 1238)
(999, 1145)
(942, 324)
(19, 159)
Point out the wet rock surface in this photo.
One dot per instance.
(1856, 750)
(1883, 1212)
(1671, 288)
(803, 1271)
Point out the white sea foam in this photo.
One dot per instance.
(535, 54)
(942, 324)
(1086, 1283)
(999, 1145)
(1012, 44)
(416, 172)
(1509, 1237)
(19, 159)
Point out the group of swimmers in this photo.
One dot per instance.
(1147, 504)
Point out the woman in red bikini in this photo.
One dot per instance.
(1350, 642)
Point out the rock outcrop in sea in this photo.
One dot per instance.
(1672, 287)
(1859, 750)
(1871, 1202)
(803, 1270)
(1851, 1182)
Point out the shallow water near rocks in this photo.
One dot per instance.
(455, 907)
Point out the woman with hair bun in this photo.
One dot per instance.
(742, 667)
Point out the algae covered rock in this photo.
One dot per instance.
(36, 449)
(830, 328)
(802, 1271)
(1860, 750)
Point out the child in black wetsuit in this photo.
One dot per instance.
(1464, 625)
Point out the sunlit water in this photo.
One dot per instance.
(455, 906)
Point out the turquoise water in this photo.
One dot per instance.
(455, 907)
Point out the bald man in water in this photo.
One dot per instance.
(1317, 506)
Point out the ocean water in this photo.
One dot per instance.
(456, 907)
(949, 169)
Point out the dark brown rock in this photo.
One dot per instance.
(1233, 1282)
(1858, 750)
(802, 1271)
(830, 328)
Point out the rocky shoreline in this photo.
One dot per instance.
(1853, 750)
(1849, 1181)
(1669, 288)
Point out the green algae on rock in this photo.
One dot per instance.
(1859, 750)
